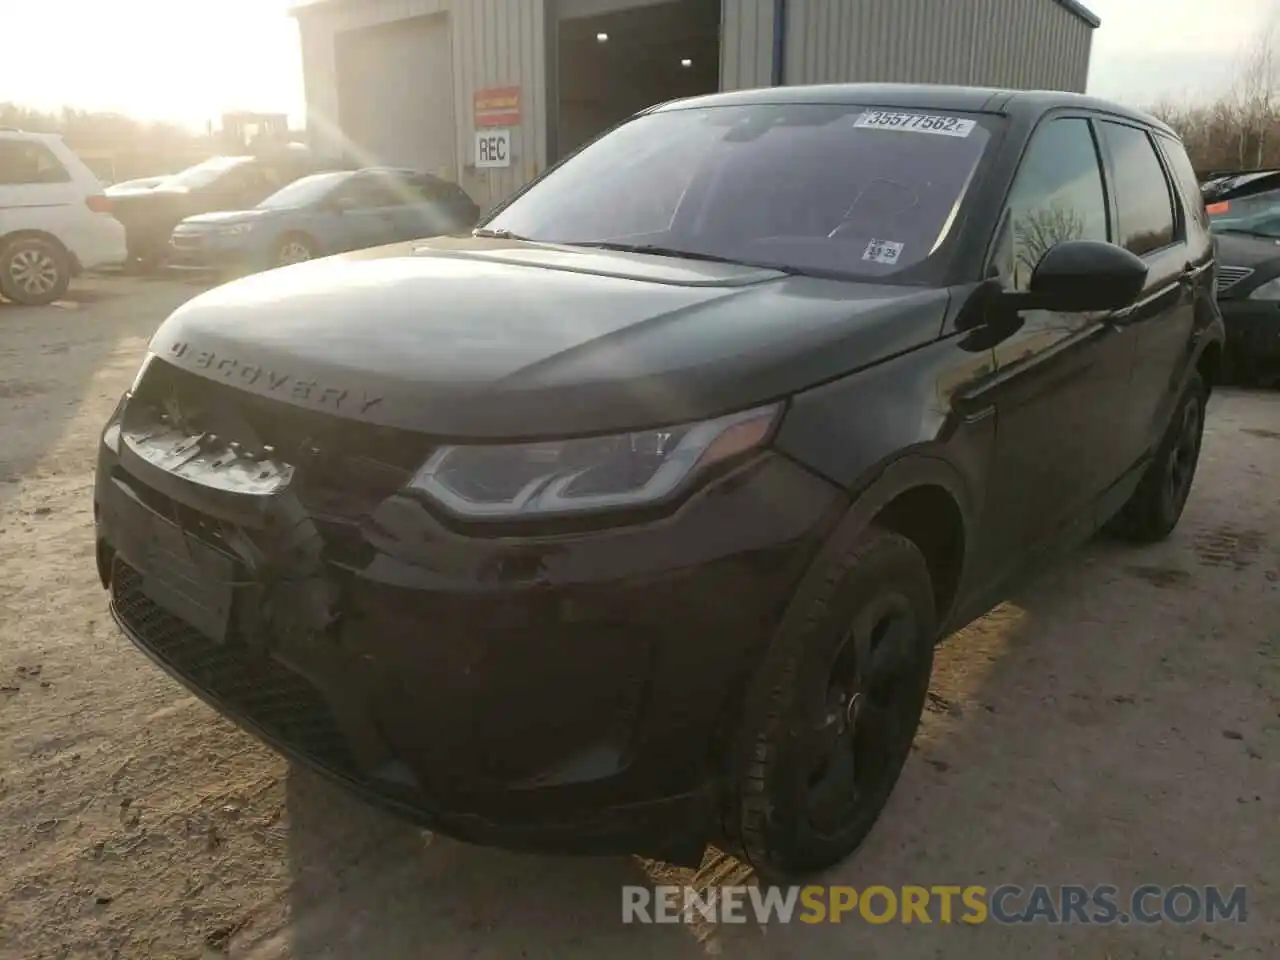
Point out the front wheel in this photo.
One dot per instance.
(34, 271)
(831, 718)
(1157, 504)
(295, 248)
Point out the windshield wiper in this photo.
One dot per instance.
(492, 233)
(659, 251)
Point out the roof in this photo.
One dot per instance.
(921, 96)
(297, 7)
(1081, 11)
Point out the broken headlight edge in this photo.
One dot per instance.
(588, 474)
(111, 432)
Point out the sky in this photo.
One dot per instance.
(188, 60)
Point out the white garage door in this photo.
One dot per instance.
(395, 93)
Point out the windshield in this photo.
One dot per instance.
(305, 192)
(1258, 215)
(203, 174)
(837, 189)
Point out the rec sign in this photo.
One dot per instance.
(493, 148)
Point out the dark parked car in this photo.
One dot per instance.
(631, 522)
(149, 214)
(1244, 212)
(322, 214)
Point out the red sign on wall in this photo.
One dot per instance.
(497, 107)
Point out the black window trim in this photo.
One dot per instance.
(1108, 200)
(1171, 191)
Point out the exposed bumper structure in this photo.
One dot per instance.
(1253, 330)
(567, 692)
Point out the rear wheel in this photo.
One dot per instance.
(831, 718)
(34, 271)
(1156, 506)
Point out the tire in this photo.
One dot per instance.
(1156, 506)
(34, 271)
(294, 248)
(791, 807)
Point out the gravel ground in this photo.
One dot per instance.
(1116, 722)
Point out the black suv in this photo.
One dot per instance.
(630, 522)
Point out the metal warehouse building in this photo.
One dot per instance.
(490, 92)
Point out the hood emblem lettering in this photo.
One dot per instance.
(273, 381)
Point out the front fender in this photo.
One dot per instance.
(926, 403)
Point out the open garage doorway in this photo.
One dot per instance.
(615, 57)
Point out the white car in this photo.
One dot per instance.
(54, 219)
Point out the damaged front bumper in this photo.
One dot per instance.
(569, 692)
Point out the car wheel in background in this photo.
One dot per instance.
(831, 716)
(1156, 506)
(33, 270)
(295, 248)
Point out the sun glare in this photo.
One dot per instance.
(179, 60)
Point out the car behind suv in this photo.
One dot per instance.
(323, 214)
(219, 183)
(630, 522)
(1244, 211)
(54, 220)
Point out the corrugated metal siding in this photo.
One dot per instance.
(1001, 43)
(318, 29)
(395, 94)
(500, 43)
(746, 44)
(495, 43)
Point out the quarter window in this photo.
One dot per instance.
(1143, 199)
(1056, 196)
(1188, 184)
(23, 162)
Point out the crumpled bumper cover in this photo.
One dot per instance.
(566, 693)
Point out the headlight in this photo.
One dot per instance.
(235, 230)
(592, 473)
(1267, 291)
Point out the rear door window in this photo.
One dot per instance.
(27, 162)
(1056, 196)
(1144, 201)
(371, 192)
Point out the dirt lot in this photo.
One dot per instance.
(1119, 722)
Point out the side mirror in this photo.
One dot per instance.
(342, 204)
(1078, 276)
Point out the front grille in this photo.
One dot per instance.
(283, 703)
(1229, 276)
(186, 241)
(342, 468)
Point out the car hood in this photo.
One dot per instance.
(477, 338)
(1239, 250)
(225, 218)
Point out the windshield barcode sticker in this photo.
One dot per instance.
(883, 251)
(916, 123)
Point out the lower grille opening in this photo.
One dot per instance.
(283, 703)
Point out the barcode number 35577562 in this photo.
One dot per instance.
(916, 123)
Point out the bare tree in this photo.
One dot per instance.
(1256, 94)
